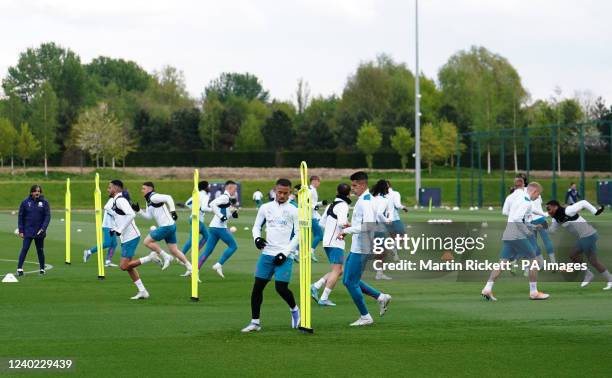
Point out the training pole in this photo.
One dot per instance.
(305, 238)
(98, 216)
(67, 220)
(195, 235)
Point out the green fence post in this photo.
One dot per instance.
(479, 172)
(582, 162)
(553, 189)
(458, 150)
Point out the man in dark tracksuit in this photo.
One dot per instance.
(34, 217)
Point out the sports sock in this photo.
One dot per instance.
(489, 285)
(607, 275)
(295, 308)
(145, 259)
(381, 297)
(187, 265)
(325, 295)
(552, 258)
(255, 321)
(139, 285)
(319, 284)
(165, 255)
(533, 287)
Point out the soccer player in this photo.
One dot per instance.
(383, 208)
(33, 220)
(160, 207)
(108, 242)
(221, 207)
(516, 243)
(203, 190)
(397, 227)
(258, 198)
(317, 231)
(281, 221)
(361, 223)
(125, 227)
(572, 196)
(568, 218)
(335, 218)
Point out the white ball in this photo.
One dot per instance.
(475, 207)
(79, 230)
(485, 224)
(471, 208)
(233, 229)
(61, 220)
(246, 228)
(13, 212)
(152, 228)
(16, 231)
(455, 208)
(490, 208)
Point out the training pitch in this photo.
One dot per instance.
(432, 328)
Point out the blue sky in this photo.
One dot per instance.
(564, 44)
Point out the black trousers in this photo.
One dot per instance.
(40, 244)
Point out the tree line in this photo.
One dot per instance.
(55, 104)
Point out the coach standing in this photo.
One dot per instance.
(34, 217)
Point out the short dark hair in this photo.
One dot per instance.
(297, 186)
(313, 178)
(203, 185)
(149, 184)
(230, 182)
(553, 203)
(343, 190)
(35, 187)
(381, 187)
(524, 177)
(117, 183)
(359, 176)
(283, 182)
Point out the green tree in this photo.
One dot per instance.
(232, 84)
(448, 140)
(8, 141)
(403, 143)
(431, 147)
(369, 140)
(316, 125)
(126, 75)
(278, 131)
(27, 145)
(43, 120)
(210, 122)
(250, 137)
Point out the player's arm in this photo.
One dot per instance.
(574, 209)
(397, 202)
(219, 201)
(295, 240)
(164, 198)
(260, 219)
(124, 205)
(204, 206)
(506, 207)
(21, 218)
(341, 210)
(189, 203)
(146, 213)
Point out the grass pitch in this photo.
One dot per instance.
(432, 328)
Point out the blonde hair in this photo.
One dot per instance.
(536, 186)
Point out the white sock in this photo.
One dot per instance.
(325, 295)
(139, 285)
(540, 261)
(187, 265)
(319, 284)
(489, 286)
(607, 275)
(366, 316)
(533, 287)
(146, 259)
(552, 258)
(255, 321)
(381, 297)
(295, 308)
(165, 255)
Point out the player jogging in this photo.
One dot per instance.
(516, 243)
(335, 218)
(258, 198)
(221, 207)
(383, 208)
(317, 231)
(361, 221)
(568, 218)
(160, 207)
(281, 221)
(397, 227)
(204, 207)
(125, 228)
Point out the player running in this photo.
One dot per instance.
(125, 227)
(258, 198)
(397, 227)
(317, 231)
(160, 207)
(221, 207)
(335, 218)
(108, 242)
(568, 218)
(361, 223)
(383, 208)
(516, 243)
(281, 221)
(204, 196)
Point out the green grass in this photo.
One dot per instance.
(433, 327)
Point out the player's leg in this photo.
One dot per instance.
(382, 298)
(170, 239)
(129, 264)
(263, 273)
(40, 250)
(380, 274)
(151, 242)
(106, 238)
(590, 249)
(25, 247)
(351, 278)
(507, 254)
(317, 236)
(330, 283)
(282, 277)
(111, 251)
(213, 239)
(533, 283)
(228, 239)
(548, 245)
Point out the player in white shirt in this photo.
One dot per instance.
(125, 227)
(108, 241)
(335, 218)
(222, 207)
(361, 226)
(160, 208)
(568, 218)
(317, 231)
(204, 196)
(258, 198)
(281, 221)
(383, 212)
(516, 243)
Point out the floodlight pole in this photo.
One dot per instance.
(417, 110)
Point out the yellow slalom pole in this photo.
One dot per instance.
(67, 219)
(195, 235)
(98, 215)
(305, 238)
